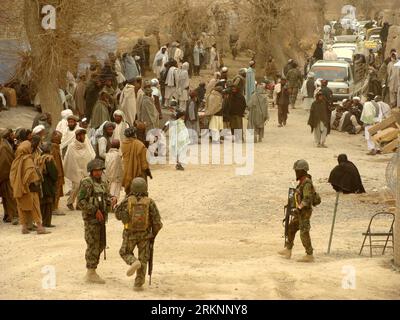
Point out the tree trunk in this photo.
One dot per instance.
(158, 39)
(45, 71)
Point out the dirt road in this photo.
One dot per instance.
(221, 233)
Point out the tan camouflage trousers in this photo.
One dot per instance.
(94, 245)
(300, 222)
(130, 241)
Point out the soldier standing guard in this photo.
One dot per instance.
(305, 198)
(142, 222)
(95, 201)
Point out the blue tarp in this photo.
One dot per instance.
(102, 45)
(10, 57)
(10, 49)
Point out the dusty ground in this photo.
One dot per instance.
(221, 232)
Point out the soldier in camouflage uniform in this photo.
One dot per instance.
(142, 222)
(302, 213)
(95, 202)
(295, 82)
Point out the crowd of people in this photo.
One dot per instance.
(378, 94)
(115, 115)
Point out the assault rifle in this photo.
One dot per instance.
(291, 204)
(103, 233)
(151, 249)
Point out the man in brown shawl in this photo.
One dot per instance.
(134, 159)
(48, 172)
(6, 193)
(25, 182)
(214, 110)
(56, 153)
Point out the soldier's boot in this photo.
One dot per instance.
(138, 286)
(93, 277)
(306, 258)
(133, 268)
(286, 253)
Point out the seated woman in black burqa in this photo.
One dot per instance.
(345, 177)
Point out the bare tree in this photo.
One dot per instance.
(54, 52)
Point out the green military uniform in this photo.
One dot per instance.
(132, 237)
(301, 221)
(304, 197)
(92, 196)
(295, 79)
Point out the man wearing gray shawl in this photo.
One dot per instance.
(258, 112)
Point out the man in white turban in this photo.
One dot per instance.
(63, 124)
(79, 153)
(120, 125)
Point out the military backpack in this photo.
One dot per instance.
(138, 214)
(316, 199)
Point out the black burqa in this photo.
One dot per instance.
(345, 177)
(318, 52)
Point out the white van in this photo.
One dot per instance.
(340, 78)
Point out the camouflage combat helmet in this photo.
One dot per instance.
(95, 164)
(139, 185)
(301, 165)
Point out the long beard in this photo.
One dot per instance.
(72, 128)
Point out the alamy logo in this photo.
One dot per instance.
(203, 153)
(349, 280)
(49, 281)
(49, 20)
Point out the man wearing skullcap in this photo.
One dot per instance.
(127, 102)
(79, 153)
(104, 142)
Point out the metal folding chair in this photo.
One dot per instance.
(377, 243)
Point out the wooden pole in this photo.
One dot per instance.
(333, 222)
(396, 231)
